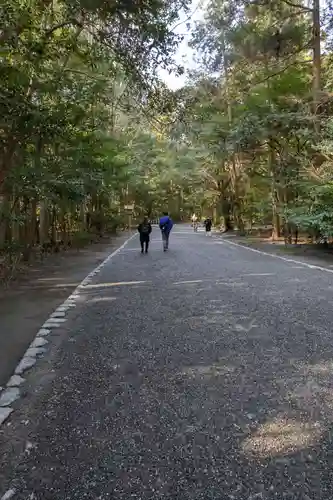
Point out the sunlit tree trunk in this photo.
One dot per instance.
(276, 231)
(316, 59)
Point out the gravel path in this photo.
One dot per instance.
(201, 373)
(36, 293)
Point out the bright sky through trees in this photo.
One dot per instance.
(184, 55)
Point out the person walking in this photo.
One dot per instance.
(195, 222)
(144, 230)
(166, 225)
(208, 226)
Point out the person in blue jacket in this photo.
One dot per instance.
(165, 227)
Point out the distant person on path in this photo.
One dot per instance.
(166, 225)
(194, 222)
(144, 230)
(208, 226)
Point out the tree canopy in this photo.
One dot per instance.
(87, 127)
(258, 113)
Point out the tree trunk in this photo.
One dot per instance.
(64, 235)
(16, 223)
(276, 230)
(234, 166)
(316, 59)
(54, 220)
(26, 233)
(226, 214)
(215, 217)
(33, 222)
(83, 213)
(4, 218)
(43, 222)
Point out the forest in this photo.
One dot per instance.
(88, 128)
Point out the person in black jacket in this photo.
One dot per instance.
(208, 226)
(144, 230)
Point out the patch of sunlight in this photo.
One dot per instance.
(189, 282)
(260, 274)
(213, 320)
(65, 285)
(119, 283)
(232, 283)
(325, 367)
(282, 436)
(102, 299)
(310, 370)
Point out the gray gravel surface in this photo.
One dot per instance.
(201, 373)
(33, 296)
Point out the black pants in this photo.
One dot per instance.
(144, 242)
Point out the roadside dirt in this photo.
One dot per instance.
(28, 301)
(315, 254)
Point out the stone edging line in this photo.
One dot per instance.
(37, 348)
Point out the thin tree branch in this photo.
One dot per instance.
(288, 2)
(83, 73)
(296, 6)
(276, 73)
(72, 22)
(188, 18)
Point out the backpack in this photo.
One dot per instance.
(145, 229)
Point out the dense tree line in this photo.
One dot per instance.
(78, 94)
(87, 128)
(258, 114)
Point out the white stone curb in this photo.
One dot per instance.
(11, 392)
(8, 495)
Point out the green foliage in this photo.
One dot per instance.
(248, 116)
(87, 128)
(76, 79)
